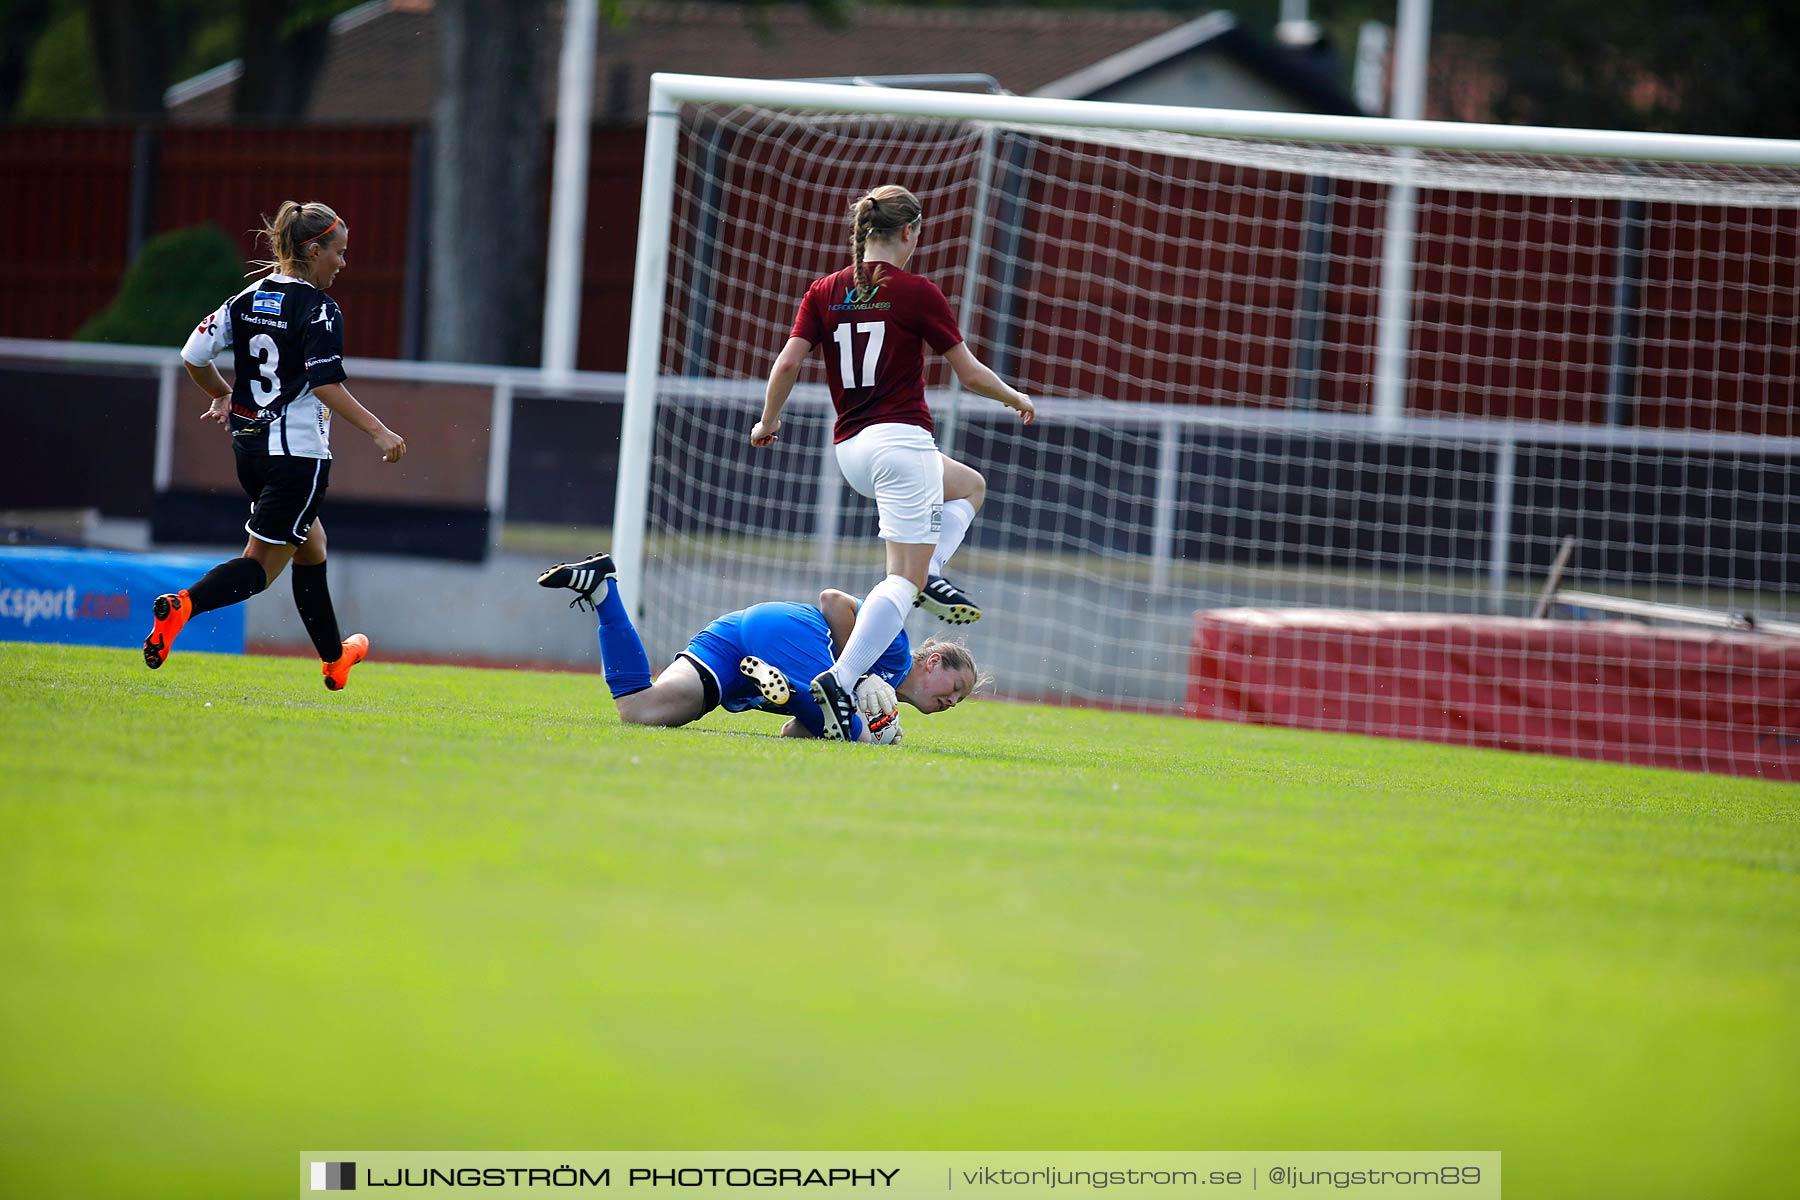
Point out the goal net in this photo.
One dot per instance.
(1273, 371)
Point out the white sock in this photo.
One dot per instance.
(958, 514)
(881, 617)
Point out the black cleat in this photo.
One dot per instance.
(769, 680)
(836, 704)
(583, 578)
(945, 601)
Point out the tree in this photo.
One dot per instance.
(1732, 67)
(285, 43)
(21, 24)
(129, 67)
(487, 181)
(177, 277)
(134, 45)
(488, 169)
(1729, 67)
(57, 81)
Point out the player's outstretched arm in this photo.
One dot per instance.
(981, 380)
(338, 399)
(782, 377)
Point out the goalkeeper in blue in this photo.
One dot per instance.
(750, 659)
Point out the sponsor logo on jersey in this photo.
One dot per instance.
(862, 300)
(266, 302)
(323, 316)
(208, 326)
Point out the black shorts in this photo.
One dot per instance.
(709, 683)
(285, 492)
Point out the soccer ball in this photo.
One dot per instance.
(885, 731)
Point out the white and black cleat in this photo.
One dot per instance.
(836, 705)
(584, 578)
(769, 680)
(947, 602)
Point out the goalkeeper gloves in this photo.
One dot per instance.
(875, 698)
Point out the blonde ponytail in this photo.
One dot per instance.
(296, 224)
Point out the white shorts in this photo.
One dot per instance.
(898, 467)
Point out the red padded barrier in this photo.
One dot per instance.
(1693, 700)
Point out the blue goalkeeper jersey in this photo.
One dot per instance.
(794, 639)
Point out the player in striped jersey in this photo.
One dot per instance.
(285, 336)
(754, 658)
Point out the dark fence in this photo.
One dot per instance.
(78, 201)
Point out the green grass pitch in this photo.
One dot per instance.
(241, 916)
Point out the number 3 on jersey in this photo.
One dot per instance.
(875, 331)
(267, 385)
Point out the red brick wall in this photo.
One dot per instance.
(233, 176)
(64, 197)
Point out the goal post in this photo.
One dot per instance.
(1237, 405)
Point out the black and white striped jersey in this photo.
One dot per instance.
(286, 337)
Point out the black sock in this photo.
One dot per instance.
(313, 598)
(231, 582)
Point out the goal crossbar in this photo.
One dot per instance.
(667, 89)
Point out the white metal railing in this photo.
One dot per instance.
(579, 384)
(1170, 421)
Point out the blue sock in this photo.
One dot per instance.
(622, 654)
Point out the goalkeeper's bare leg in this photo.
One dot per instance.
(677, 697)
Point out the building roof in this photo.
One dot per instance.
(382, 66)
(1301, 76)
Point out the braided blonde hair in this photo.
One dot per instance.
(880, 213)
(296, 224)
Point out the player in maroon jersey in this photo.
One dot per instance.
(875, 319)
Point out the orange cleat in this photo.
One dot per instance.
(337, 674)
(172, 613)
